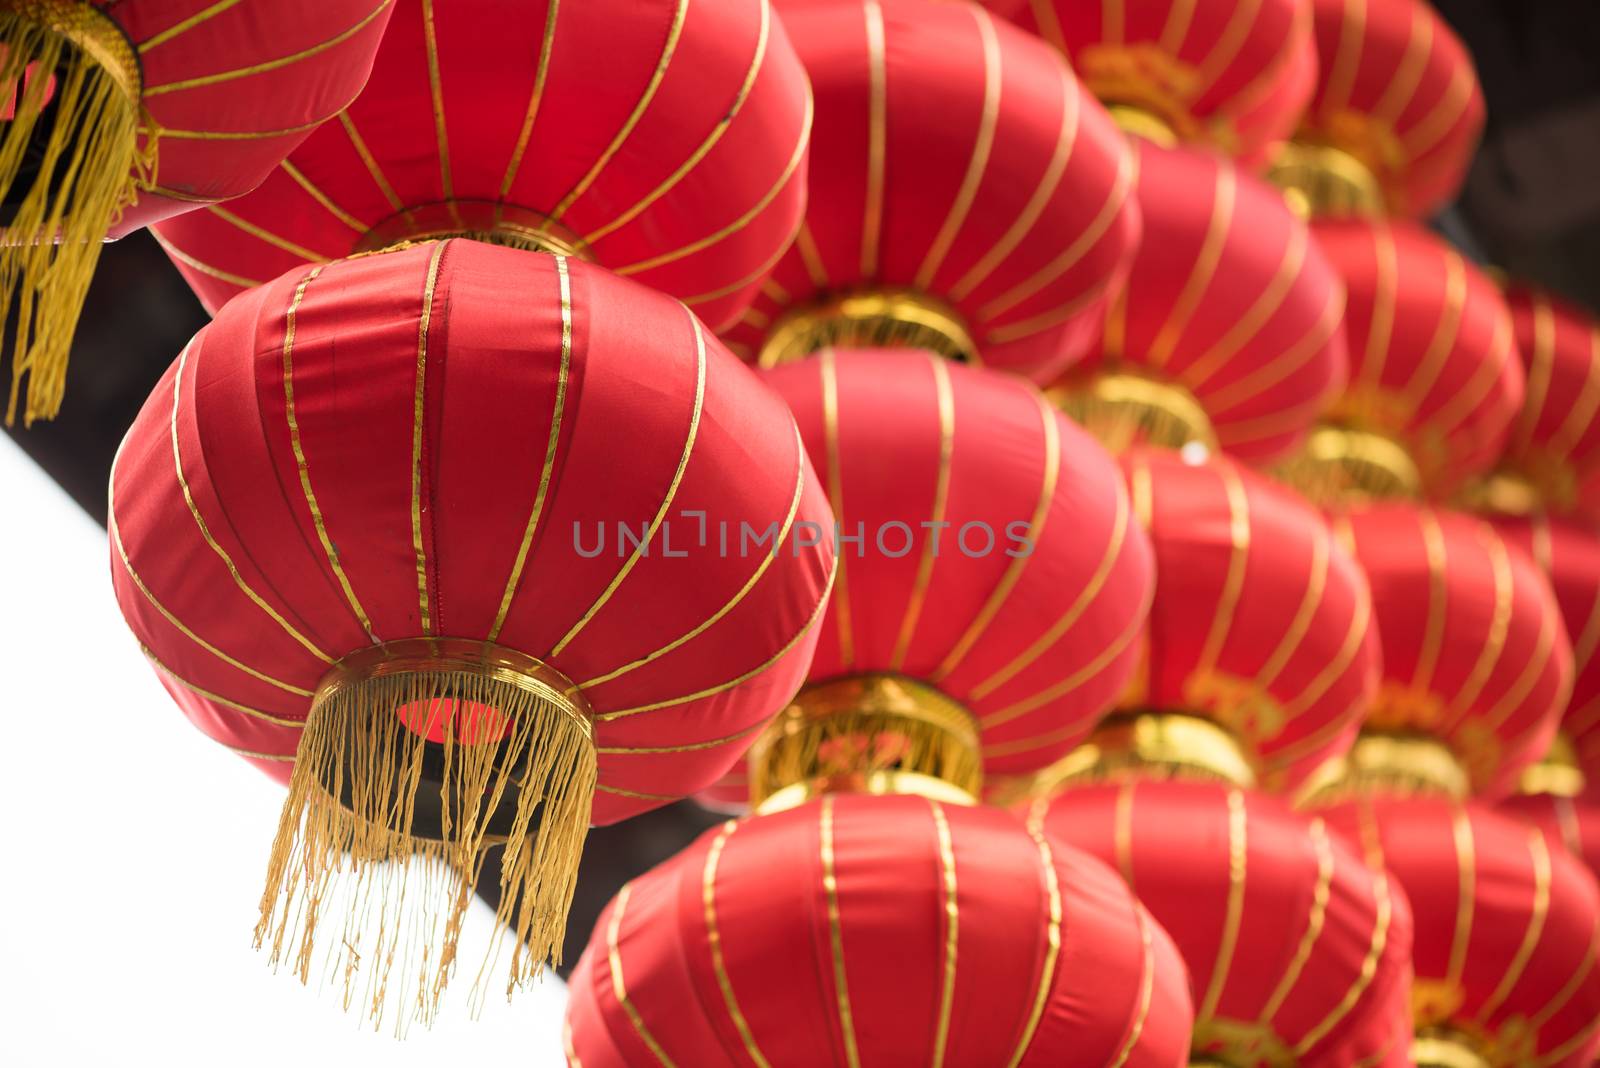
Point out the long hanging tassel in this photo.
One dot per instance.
(346, 856)
(89, 168)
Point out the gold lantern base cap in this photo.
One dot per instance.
(475, 220)
(418, 755)
(885, 318)
(1557, 773)
(1319, 179)
(1394, 762)
(1124, 407)
(1349, 465)
(1446, 1048)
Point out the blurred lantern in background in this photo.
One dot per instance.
(967, 196)
(122, 112)
(683, 168)
(352, 529)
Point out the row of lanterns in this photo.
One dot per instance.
(1242, 718)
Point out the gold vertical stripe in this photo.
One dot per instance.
(217, 698)
(708, 898)
(1579, 976)
(1369, 968)
(619, 987)
(1111, 24)
(1047, 974)
(199, 17)
(1147, 983)
(1238, 561)
(322, 198)
(1494, 642)
(829, 373)
(1359, 621)
(674, 32)
(1433, 634)
(1541, 367)
(1584, 642)
(1316, 588)
(806, 245)
(566, 1040)
(1581, 415)
(830, 884)
(204, 268)
(1346, 58)
(1444, 114)
(666, 501)
(1290, 360)
(941, 500)
(1544, 649)
(562, 375)
(978, 163)
(1567, 1048)
(262, 234)
(1401, 87)
(1241, 20)
(1316, 918)
(1203, 270)
(1539, 853)
(205, 531)
(877, 135)
(1238, 862)
(418, 413)
(1122, 832)
(1466, 869)
(952, 934)
(1049, 23)
(1567, 821)
(1260, 314)
(541, 73)
(1466, 398)
(1013, 574)
(1446, 331)
(1175, 28)
(370, 161)
(1380, 331)
(303, 468)
(436, 92)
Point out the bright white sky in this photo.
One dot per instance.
(135, 850)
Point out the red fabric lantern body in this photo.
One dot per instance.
(1230, 302)
(1507, 930)
(1570, 823)
(1474, 651)
(967, 194)
(1298, 954)
(155, 107)
(1397, 112)
(683, 168)
(878, 931)
(385, 449)
(1234, 75)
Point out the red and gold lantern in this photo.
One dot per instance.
(1233, 76)
(1227, 333)
(682, 168)
(1297, 952)
(1396, 115)
(878, 931)
(1570, 823)
(967, 195)
(123, 112)
(361, 526)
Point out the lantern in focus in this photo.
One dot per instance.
(1298, 953)
(1227, 333)
(122, 113)
(362, 525)
(875, 931)
(967, 196)
(683, 168)
(1507, 931)
(1233, 76)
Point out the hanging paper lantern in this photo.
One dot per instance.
(1233, 76)
(1552, 458)
(1477, 665)
(121, 112)
(683, 167)
(457, 557)
(1570, 823)
(874, 932)
(1298, 954)
(1396, 116)
(1435, 381)
(967, 196)
(1507, 930)
(1227, 333)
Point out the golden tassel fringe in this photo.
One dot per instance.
(89, 169)
(346, 854)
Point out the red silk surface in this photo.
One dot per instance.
(1298, 954)
(348, 433)
(958, 157)
(1556, 443)
(234, 90)
(1231, 299)
(1506, 928)
(876, 932)
(682, 167)
(1397, 91)
(1570, 823)
(1261, 620)
(1474, 651)
(1233, 75)
(1433, 363)
(1035, 646)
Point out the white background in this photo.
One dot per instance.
(134, 848)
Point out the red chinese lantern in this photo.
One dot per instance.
(878, 931)
(967, 196)
(1233, 75)
(362, 525)
(1297, 952)
(1506, 932)
(1227, 333)
(682, 168)
(1570, 823)
(1396, 115)
(1477, 665)
(141, 109)
(1435, 381)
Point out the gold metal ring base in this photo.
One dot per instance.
(1405, 763)
(871, 318)
(1345, 465)
(1557, 773)
(1446, 1048)
(1144, 745)
(475, 220)
(1123, 407)
(1323, 180)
